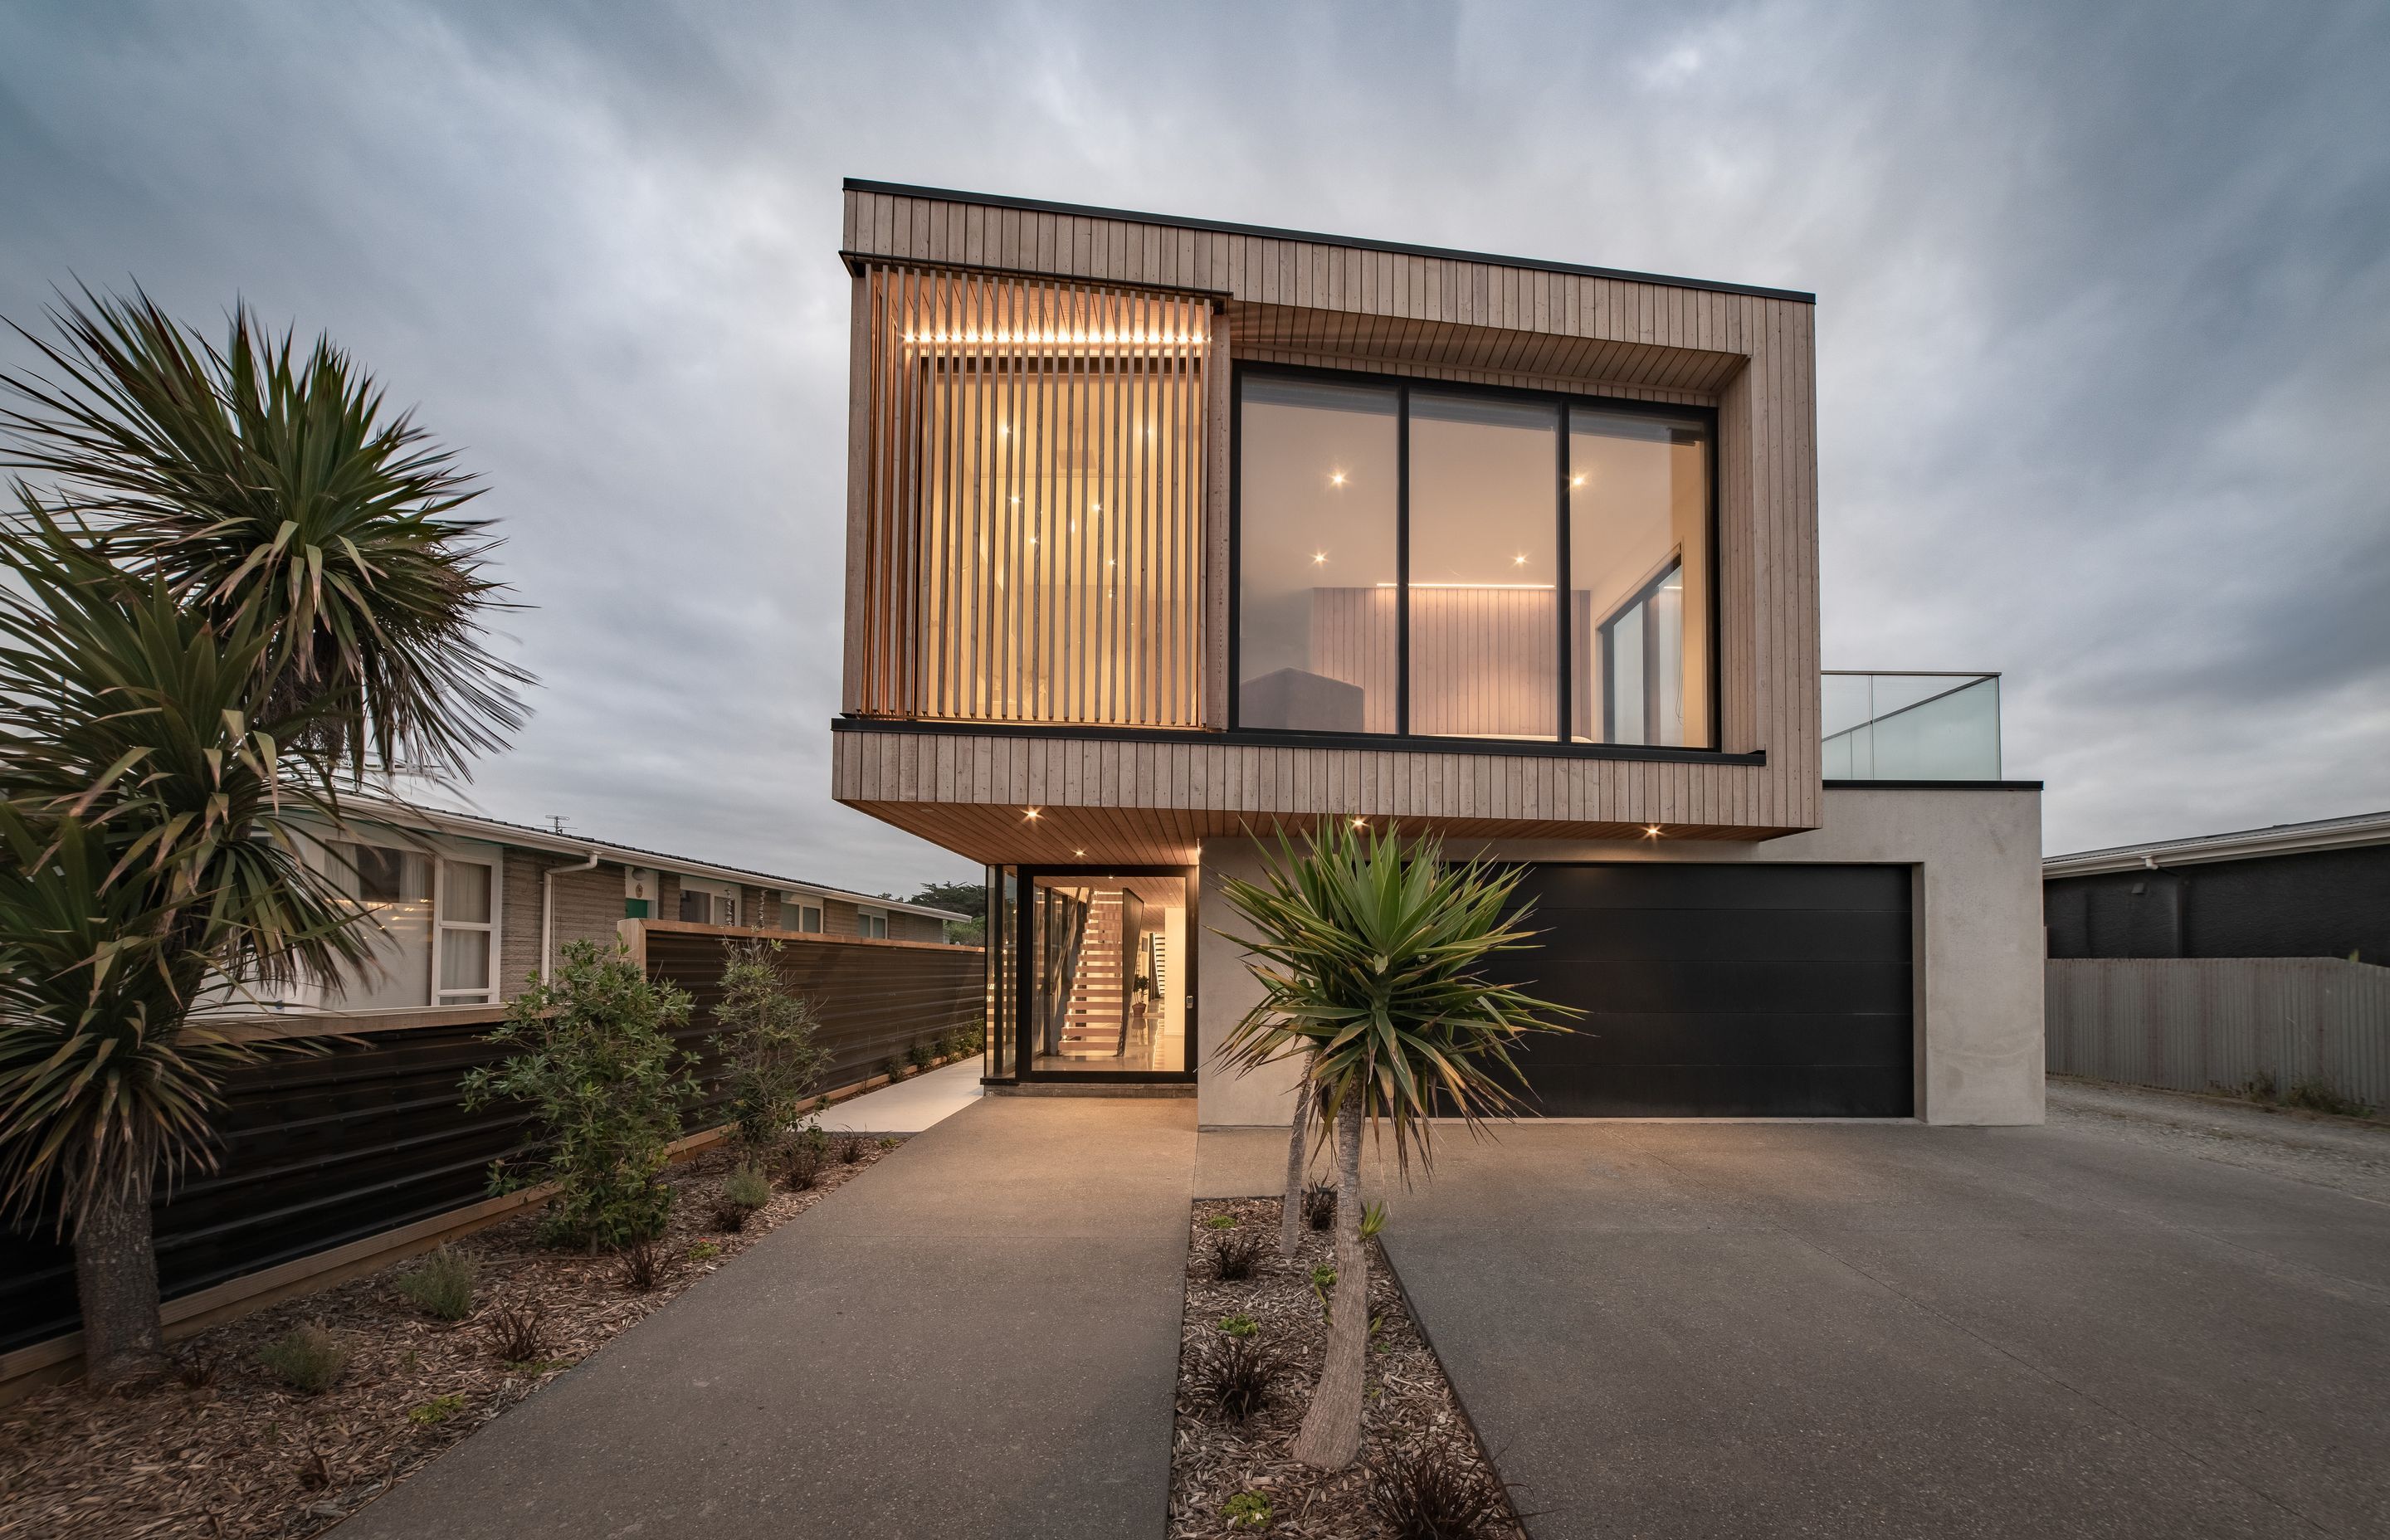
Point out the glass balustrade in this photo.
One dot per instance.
(1912, 726)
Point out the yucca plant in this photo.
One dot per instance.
(237, 585)
(1370, 951)
(260, 484)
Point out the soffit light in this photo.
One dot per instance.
(1030, 814)
(1336, 478)
(1651, 829)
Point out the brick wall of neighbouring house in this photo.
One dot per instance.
(588, 905)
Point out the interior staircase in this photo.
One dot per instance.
(1096, 1016)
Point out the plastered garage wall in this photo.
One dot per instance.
(1977, 858)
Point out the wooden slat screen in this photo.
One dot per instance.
(1034, 500)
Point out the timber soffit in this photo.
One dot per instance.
(1265, 231)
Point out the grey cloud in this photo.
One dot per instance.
(2104, 327)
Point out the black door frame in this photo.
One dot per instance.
(1019, 986)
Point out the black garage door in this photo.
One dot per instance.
(1721, 991)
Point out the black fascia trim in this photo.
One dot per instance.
(1271, 232)
(1932, 786)
(1267, 737)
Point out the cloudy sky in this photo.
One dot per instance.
(2103, 315)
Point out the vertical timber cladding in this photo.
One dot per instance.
(1035, 479)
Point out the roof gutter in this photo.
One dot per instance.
(2250, 847)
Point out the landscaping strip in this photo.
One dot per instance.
(1266, 1332)
(227, 1446)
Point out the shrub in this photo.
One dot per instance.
(850, 1149)
(1319, 1205)
(1247, 1511)
(643, 1265)
(731, 1218)
(438, 1409)
(1433, 1494)
(517, 1335)
(443, 1285)
(807, 1156)
(893, 1067)
(605, 1087)
(1234, 1255)
(308, 1358)
(920, 1056)
(1240, 1324)
(1235, 1377)
(771, 1061)
(746, 1188)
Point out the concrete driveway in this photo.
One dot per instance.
(1807, 1329)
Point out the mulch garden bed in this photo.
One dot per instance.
(224, 1447)
(1409, 1408)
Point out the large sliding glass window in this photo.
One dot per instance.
(1320, 471)
(1444, 563)
(1485, 594)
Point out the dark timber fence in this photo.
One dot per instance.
(326, 1153)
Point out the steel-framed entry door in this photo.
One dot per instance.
(1744, 990)
(1104, 985)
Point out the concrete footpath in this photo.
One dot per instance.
(977, 1337)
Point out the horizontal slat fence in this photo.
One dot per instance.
(2202, 1023)
(874, 999)
(319, 1152)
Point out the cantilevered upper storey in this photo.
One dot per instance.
(1163, 529)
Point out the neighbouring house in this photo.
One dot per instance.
(468, 908)
(2311, 889)
(1168, 536)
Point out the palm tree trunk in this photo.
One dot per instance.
(1289, 1216)
(116, 1283)
(1331, 1428)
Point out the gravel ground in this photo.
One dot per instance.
(1408, 1404)
(2346, 1154)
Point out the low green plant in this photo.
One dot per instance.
(705, 1250)
(920, 1055)
(442, 1285)
(437, 1410)
(850, 1149)
(1323, 1277)
(1247, 1511)
(2316, 1096)
(893, 1067)
(309, 1358)
(1373, 1219)
(747, 1188)
(605, 1086)
(1240, 1324)
(1222, 1222)
(808, 1154)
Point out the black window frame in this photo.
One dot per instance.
(1403, 385)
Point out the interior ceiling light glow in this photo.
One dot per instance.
(970, 339)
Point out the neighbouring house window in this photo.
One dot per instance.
(796, 915)
(468, 934)
(395, 888)
(871, 923)
(706, 903)
(1400, 550)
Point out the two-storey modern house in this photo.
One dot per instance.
(1166, 537)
